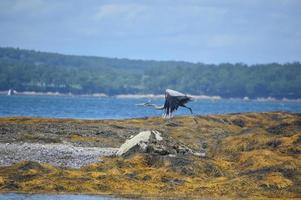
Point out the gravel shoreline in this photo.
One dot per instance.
(61, 155)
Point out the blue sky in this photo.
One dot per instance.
(208, 31)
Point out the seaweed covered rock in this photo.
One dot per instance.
(248, 155)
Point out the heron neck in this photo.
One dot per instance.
(156, 106)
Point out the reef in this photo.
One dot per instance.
(241, 155)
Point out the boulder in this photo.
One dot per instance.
(152, 142)
(139, 143)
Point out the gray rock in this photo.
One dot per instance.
(138, 143)
(152, 142)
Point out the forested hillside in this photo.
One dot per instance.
(25, 70)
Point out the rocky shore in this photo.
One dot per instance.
(250, 155)
(60, 155)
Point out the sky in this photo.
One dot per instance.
(207, 31)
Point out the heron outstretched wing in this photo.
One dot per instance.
(174, 93)
(174, 99)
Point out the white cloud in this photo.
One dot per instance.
(128, 11)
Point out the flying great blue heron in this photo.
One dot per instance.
(173, 99)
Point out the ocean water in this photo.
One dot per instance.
(88, 107)
(23, 196)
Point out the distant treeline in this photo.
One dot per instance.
(25, 70)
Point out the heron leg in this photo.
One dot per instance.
(165, 113)
(170, 113)
(188, 108)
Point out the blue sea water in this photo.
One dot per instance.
(88, 107)
(21, 196)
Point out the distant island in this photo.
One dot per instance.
(27, 70)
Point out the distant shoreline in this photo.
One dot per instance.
(147, 96)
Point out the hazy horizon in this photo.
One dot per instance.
(156, 60)
(205, 31)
